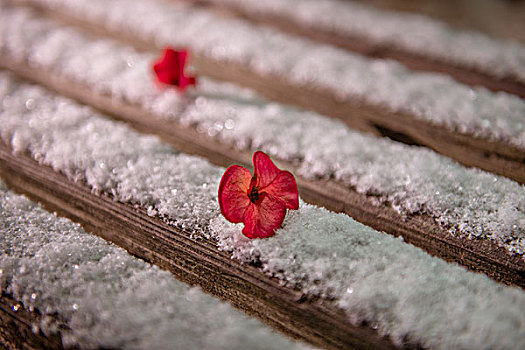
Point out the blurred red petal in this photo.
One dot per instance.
(169, 69)
(233, 198)
(186, 81)
(262, 219)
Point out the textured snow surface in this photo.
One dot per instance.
(414, 33)
(107, 298)
(431, 97)
(468, 202)
(399, 289)
(374, 277)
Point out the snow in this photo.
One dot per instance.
(395, 287)
(468, 202)
(417, 34)
(430, 97)
(108, 298)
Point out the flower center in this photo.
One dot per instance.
(253, 194)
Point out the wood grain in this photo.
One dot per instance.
(193, 261)
(16, 328)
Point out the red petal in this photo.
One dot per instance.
(265, 171)
(285, 188)
(164, 77)
(233, 197)
(181, 58)
(274, 181)
(167, 67)
(170, 68)
(264, 217)
(186, 81)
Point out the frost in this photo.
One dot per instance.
(108, 298)
(374, 277)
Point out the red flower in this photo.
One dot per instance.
(259, 201)
(170, 69)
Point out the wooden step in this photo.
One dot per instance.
(199, 261)
(196, 262)
(470, 150)
(416, 61)
(419, 230)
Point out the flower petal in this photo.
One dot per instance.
(233, 197)
(284, 187)
(167, 68)
(264, 169)
(170, 69)
(180, 57)
(274, 181)
(186, 81)
(264, 217)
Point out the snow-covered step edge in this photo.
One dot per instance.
(398, 288)
(402, 36)
(412, 179)
(430, 98)
(106, 298)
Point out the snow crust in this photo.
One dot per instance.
(108, 298)
(468, 202)
(373, 277)
(430, 97)
(418, 34)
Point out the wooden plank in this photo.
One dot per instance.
(464, 74)
(497, 18)
(422, 231)
(16, 328)
(468, 149)
(198, 262)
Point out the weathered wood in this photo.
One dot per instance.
(470, 150)
(501, 19)
(464, 74)
(193, 261)
(422, 231)
(16, 328)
